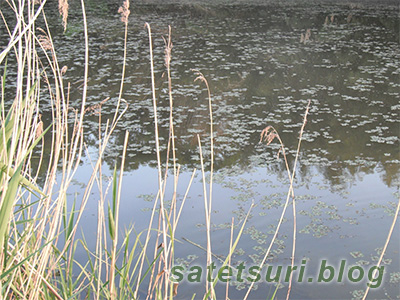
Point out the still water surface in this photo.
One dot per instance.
(261, 72)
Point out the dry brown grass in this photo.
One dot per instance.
(63, 8)
(124, 11)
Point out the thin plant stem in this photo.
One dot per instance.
(157, 139)
(208, 207)
(14, 41)
(396, 214)
(293, 197)
(269, 134)
(125, 12)
(206, 204)
(229, 260)
(115, 240)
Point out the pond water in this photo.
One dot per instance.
(263, 64)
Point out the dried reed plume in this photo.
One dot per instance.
(63, 10)
(305, 38)
(96, 108)
(268, 135)
(124, 11)
(45, 42)
(39, 128)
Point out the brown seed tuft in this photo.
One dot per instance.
(124, 11)
(45, 42)
(96, 108)
(39, 128)
(63, 10)
(268, 135)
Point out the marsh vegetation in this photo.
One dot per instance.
(130, 143)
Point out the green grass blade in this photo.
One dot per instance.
(7, 204)
(232, 250)
(70, 226)
(111, 223)
(6, 273)
(276, 289)
(114, 195)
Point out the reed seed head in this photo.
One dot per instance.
(124, 11)
(63, 10)
(268, 135)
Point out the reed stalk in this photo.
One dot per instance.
(34, 262)
(207, 206)
(396, 215)
(269, 134)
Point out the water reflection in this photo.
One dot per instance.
(259, 74)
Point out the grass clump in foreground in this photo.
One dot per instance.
(37, 232)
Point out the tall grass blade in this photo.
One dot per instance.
(232, 249)
(7, 204)
(111, 223)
